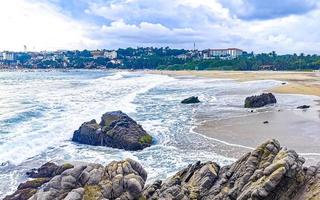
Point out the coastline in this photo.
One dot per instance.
(307, 83)
(294, 128)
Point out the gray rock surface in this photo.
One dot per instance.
(118, 180)
(270, 172)
(260, 100)
(116, 130)
(267, 173)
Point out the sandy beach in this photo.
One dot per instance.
(294, 128)
(296, 82)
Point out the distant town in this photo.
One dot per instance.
(105, 58)
(159, 58)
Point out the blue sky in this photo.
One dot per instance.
(286, 26)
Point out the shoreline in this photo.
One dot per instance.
(307, 83)
(294, 128)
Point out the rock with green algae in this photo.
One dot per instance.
(270, 172)
(116, 130)
(118, 180)
(42, 175)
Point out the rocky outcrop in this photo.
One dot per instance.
(118, 180)
(267, 173)
(116, 130)
(260, 100)
(303, 107)
(41, 176)
(190, 100)
(270, 172)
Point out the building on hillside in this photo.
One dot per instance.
(8, 56)
(111, 55)
(182, 56)
(222, 53)
(96, 54)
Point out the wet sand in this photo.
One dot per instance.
(296, 129)
(297, 82)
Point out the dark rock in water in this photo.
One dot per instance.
(270, 172)
(266, 122)
(116, 130)
(303, 107)
(190, 100)
(283, 83)
(260, 100)
(118, 180)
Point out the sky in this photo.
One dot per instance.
(284, 26)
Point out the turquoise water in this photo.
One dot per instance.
(39, 110)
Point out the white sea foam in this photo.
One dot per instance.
(40, 110)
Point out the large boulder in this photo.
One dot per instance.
(118, 180)
(260, 100)
(190, 100)
(116, 130)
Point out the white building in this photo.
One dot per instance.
(182, 56)
(229, 53)
(9, 56)
(111, 54)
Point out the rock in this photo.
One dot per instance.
(190, 100)
(260, 100)
(23, 194)
(42, 175)
(35, 183)
(118, 180)
(116, 130)
(269, 172)
(48, 170)
(266, 122)
(303, 107)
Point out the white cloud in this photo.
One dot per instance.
(39, 25)
(179, 23)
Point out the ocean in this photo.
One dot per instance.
(39, 111)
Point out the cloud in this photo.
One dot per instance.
(261, 26)
(172, 14)
(211, 24)
(40, 26)
(268, 9)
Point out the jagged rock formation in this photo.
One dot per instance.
(190, 100)
(116, 130)
(41, 176)
(260, 100)
(118, 180)
(269, 172)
